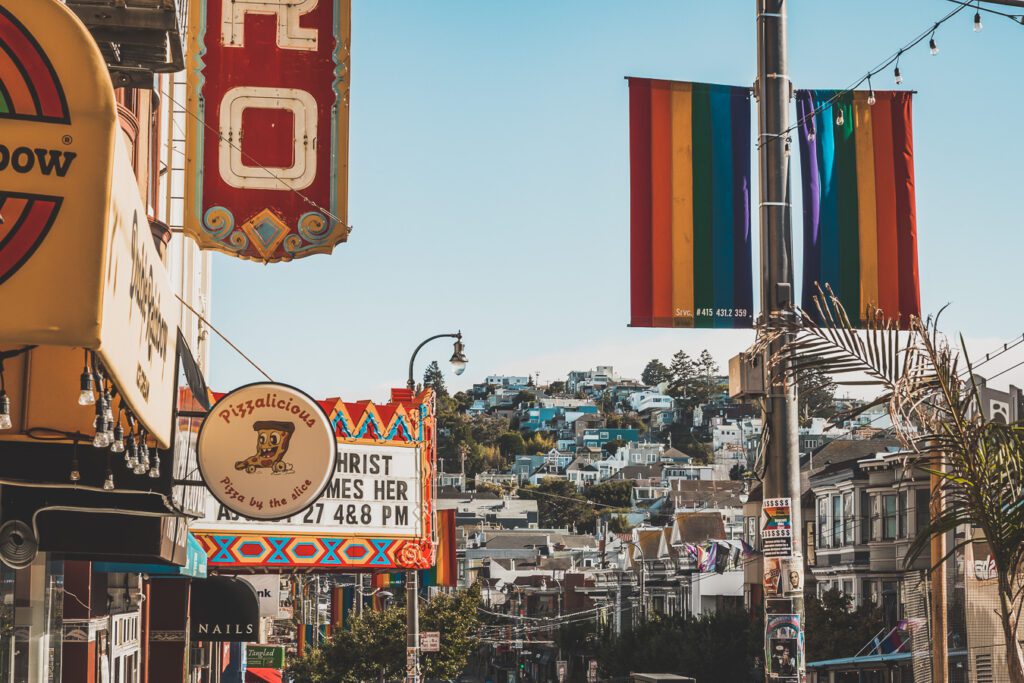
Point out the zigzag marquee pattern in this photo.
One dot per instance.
(398, 422)
(240, 551)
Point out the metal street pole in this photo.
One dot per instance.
(412, 607)
(782, 458)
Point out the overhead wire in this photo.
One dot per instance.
(894, 58)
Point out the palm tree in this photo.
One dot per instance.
(933, 400)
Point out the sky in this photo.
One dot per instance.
(489, 186)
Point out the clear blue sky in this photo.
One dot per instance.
(489, 184)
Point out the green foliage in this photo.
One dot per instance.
(511, 443)
(816, 393)
(655, 373)
(561, 506)
(683, 376)
(933, 400)
(556, 388)
(434, 378)
(618, 524)
(836, 630)
(611, 493)
(716, 647)
(374, 643)
(538, 444)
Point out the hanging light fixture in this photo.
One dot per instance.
(87, 384)
(977, 19)
(143, 463)
(131, 452)
(5, 402)
(458, 359)
(840, 119)
(108, 483)
(117, 445)
(154, 470)
(75, 474)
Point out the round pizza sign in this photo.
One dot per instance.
(266, 451)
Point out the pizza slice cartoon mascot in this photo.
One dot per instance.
(272, 442)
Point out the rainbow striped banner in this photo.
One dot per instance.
(860, 223)
(445, 571)
(690, 205)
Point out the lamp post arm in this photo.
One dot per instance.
(411, 383)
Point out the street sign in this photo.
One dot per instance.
(592, 671)
(561, 668)
(264, 656)
(517, 644)
(430, 641)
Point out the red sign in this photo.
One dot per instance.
(267, 158)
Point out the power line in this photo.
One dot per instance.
(221, 335)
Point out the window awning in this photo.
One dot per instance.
(262, 676)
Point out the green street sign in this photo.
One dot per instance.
(264, 656)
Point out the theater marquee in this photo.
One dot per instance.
(376, 511)
(267, 162)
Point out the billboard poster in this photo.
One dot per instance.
(782, 575)
(776, 527)
(375, 512)
(785, 643)
(266, 167)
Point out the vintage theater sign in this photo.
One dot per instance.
(266, 451)
(376, 511)
(267, 161)
(78, 268)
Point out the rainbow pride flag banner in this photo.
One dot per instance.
(860, 222)
(689, 148)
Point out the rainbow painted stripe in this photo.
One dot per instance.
(29, 88)
(27, 220)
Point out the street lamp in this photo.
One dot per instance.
(458, 359)
(412, 608)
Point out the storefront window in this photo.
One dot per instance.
(31, 622)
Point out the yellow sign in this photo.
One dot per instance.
(78, 267)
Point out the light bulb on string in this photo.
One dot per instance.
(75, 474)
(108, 483)
(86, 385)
(933, 46)
(5, 402)
(117, 445)
(154, 470)
(871, 92)
(108, 410)
(898, 76)
(131, 453)
(977, 22)
(840, 119)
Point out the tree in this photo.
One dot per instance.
(712, 647)
(538, 444)
(835, 629)
(433, 378)
(736, 472)
(682, 376)
(616, 494)
(934, 403)
(373, 644)
(511, 443)
(655, 373)
(816, 392)
(560, 505)
(556, 388)
(707, 384)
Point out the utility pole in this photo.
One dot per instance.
(782, 458)
(412, 627)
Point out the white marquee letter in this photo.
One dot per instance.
(233, 168)
(290, 36)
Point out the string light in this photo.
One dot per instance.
(5, 402)
(75, 474)
(977, 19)
(154, 470)
(108, 483)
(86, 385)
(871, 93)
(840, 120)
(933, 47)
